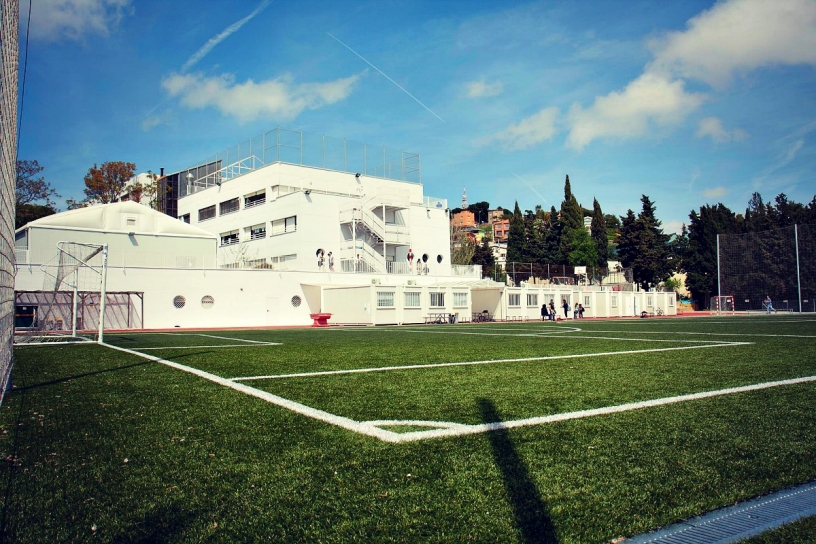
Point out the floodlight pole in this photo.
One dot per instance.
(102, 294)
(719, 292)
(76, 294)
(798, 277)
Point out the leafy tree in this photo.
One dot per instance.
(106, 183)
(599, 235)
(552, 239)
(700, 261)
(462, 247)
(479, 210)
(584, 252)
(643, 246)
(29, 188)
(26, 213)
(483, 255)
(516, 242)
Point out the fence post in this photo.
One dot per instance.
(798, 277)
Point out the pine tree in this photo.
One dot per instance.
(516, 242)
(644, 246)
(571, 219)
(599, 235)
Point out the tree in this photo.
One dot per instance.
(462, 247)
(26, 213)
(480, 210)
(599, 235)
(643, 246)
(28, 188)
(106, 183)
(700, 260)
(584, 251)
(483, 255)
(516, 242)
(571, 219)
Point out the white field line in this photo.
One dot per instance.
(445, 429)
(215, 346)
(486, 362)
(448, 429)
(214, 336)
(302, 409)
(716, 334)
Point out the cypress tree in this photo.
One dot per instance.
(599, 234)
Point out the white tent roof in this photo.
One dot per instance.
(125, 217)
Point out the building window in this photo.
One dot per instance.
(207, 302)
(671, 300)
(532, 299)
(282, 226)
(255, 199)
(587, 300)
(257, 232)
(185, 218)
(412, 299)
(514, 299)
(229, 238)
(437, 300)
(229, 206)
(649, 301)
(613, 301)
(179, 301)
(296, 301)
(283, 262)
(385, 299)
(206, 213)
(460, 300)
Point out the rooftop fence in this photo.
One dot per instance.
(302, 149)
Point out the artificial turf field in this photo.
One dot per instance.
(497, 432)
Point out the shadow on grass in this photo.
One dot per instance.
(163, 524)
(531, 514)
(77, 376)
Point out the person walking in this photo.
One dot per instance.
(544, 313)
(768, 304)
(330, 258)
(575, 311)
(566, 308)
(552, 310)
(580, 311)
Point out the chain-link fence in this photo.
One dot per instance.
(561, 274)
(9, 55)
(779, 263)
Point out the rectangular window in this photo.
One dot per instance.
(587, 300)
(229, 238)
(613, 301)
(649, 300)
(671, 300)
(206, 213)
(283, 262)
(412, 299)
(438, 300)
(460, 300)
(229, 206)
(385, 299)
(257, 232)
(532, 299)
(282, 226)
(514, 299)
(185, 218)
(255, 199)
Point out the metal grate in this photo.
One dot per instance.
(738, 522)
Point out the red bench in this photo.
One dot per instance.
(320, 320)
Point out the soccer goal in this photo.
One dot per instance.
(71, 306)
(723, 304)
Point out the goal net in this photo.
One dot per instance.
(723, 304)
(71, 306)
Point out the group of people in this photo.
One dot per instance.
(548, 310)
(322, 258)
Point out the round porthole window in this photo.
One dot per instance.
(296, 301)
(207, 302)
(179, 301)
(424, 257)
(439, 258)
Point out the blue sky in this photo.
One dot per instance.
(689, 102)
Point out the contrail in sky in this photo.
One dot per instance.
(530, 186)
(388, 78)
(224, 34)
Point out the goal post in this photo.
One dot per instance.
(71, 305)
(723, 304)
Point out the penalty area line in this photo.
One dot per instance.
(486, 362)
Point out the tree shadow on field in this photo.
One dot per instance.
(532, 517)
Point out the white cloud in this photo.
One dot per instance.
(74, 19)
(713, 128)
(716, 192)
(482, 89)
(530, 131)
(280, 97)
(648, 100)
(737, 36)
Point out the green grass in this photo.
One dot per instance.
(206, 463)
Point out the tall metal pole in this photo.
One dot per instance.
(798, 277)
(718, 274)
(102, 295)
